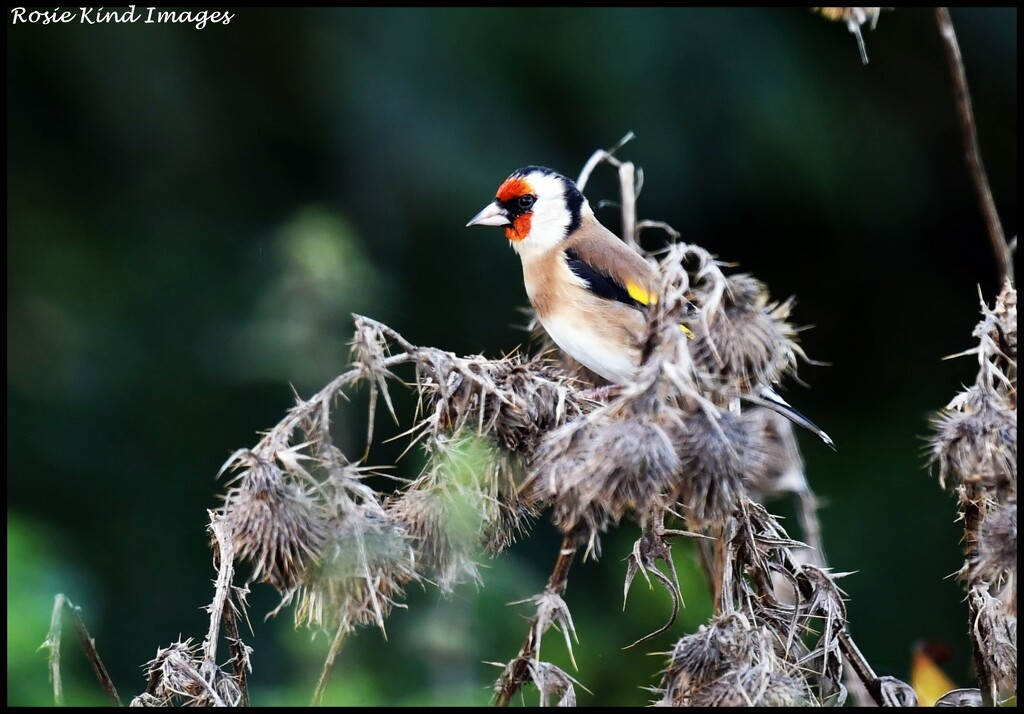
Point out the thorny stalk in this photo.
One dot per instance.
(239, 654)
(224, 610)
(62, 605)
(223, 562)
(975, 447)
(518, 670)
(982, 489)
(972, 153)
(971, 500)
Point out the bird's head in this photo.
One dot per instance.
(537, 206)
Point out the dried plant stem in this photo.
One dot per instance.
(971, 499)
(222, 601)
(970, 139)
(717, 573)
(221, 609)
(238, 656)
(859, 694)
(599, 156)
(52, 643)
(62, 604)
(627, 185)
(852, 654)
(859, 663)
(520, 670)
(223, 561)
(984, 674)
(332, 655)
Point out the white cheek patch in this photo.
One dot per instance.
(549, 219)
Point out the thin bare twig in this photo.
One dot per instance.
(972, 153)
(599, 156)
(627, 185)
(325, 674)
(519, 672)
(61, 603)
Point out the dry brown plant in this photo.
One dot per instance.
(684, 451)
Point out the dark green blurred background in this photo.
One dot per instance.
(193, 215)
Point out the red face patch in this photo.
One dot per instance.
(513, 188)
(520, 227)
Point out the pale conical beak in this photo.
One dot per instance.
(492, 215)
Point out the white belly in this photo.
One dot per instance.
(594, 350)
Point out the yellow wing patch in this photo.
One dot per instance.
(638, 293)
(642, 296)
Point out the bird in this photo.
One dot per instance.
(588, 289)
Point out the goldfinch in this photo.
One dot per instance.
(588, 288)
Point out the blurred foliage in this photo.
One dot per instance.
(192, 215)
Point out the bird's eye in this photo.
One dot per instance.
(526, 202)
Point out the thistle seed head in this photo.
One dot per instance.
(744, 342)
(274, 524)
(716, 453)
(976, 442)
(604, 469)
(730, 662)
(367, 560)
(997, 546)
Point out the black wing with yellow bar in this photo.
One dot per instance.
(604, 285)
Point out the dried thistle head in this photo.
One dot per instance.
(976, 441)
(717, 450)
(328, 543)
(442, 533)
(730, 662)
(1000, 329)
(614, 463)
(744, 342)
(553, 684)
(273, 523)
(976, 434)
(997, 546)
(179, 677)
(460, 504)
(512, 400)
(997, 347)
(367, 560)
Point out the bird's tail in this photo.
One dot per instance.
(770, 399)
